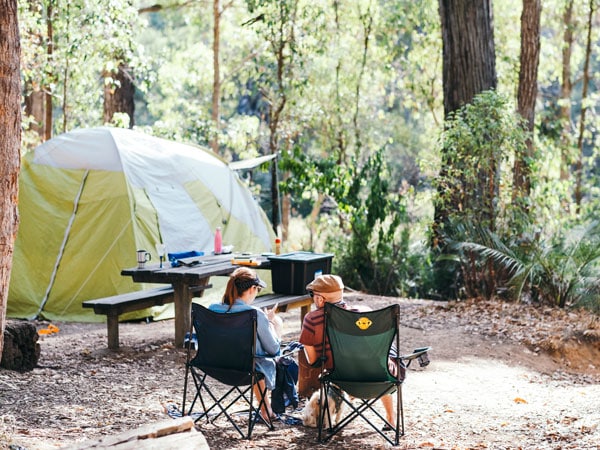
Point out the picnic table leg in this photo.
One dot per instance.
(183, 311)
(182, 297)
(112, 328)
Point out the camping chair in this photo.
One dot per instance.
(360, 343)
(226, 349)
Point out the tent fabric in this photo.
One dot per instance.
(90, 198)
(251, 163)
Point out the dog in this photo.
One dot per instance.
(310, 413)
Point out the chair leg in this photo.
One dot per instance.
(188, 355)
(356, 411)
(251, 420)
(262, 395)
(323, 409)
(401, 407)
(185, 384)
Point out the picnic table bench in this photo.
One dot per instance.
(285, 302)
(112, 307)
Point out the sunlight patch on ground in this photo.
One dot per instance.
(505, 399)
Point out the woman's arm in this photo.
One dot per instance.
(267, 335)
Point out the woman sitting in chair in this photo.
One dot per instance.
(241, 290)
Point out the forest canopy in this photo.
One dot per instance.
(415, 198)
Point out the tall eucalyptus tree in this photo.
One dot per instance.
(73, 53)
(584, 108)
(469, 68)
(10, 143)
(276, 22)
(527, 94)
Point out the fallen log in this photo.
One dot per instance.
(171, 433)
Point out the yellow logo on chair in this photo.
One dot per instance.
(363, 323)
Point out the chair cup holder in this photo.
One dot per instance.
(423, 360)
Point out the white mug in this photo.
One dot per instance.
(142, 257)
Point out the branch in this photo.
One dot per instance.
(159, 7)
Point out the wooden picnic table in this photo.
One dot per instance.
(183, 277)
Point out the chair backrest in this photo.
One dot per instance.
(360, 342)
(226, 344)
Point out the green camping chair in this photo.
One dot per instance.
(360, 344)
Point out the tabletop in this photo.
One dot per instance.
(184, 276)
(207, 266)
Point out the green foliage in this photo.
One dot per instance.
(372, 251)
(89, 40)
(367, 258)
(478, 142)
(562, 269)
(357, 75)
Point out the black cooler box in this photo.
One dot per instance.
(291, 272)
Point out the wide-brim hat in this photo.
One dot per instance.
(326, 284)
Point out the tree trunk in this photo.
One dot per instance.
(118, 95)
(275, 196)
(21, 347)
(584, 95)
(367, 23)
(469, 56)
(566, 88)
(527, 92)
(33, 92)
(286, 212)
(34, 107)
(48, 90)
(469, 68)
(216, 93)
(10, 143)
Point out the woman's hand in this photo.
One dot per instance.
(274, 320)
(271, 312)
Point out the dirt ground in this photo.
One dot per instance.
(502, 376)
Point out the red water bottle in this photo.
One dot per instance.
(218, 241)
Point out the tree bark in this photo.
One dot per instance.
(469, 57)
(527, 92)
(10, 143)
(34, 107)
(21, 348)
(584, 95)
(216, 93)
(33, 92)
(118, 95)
(48, 91)
(469, 68)
(566, 88)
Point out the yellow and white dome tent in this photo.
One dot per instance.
(89, 198)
